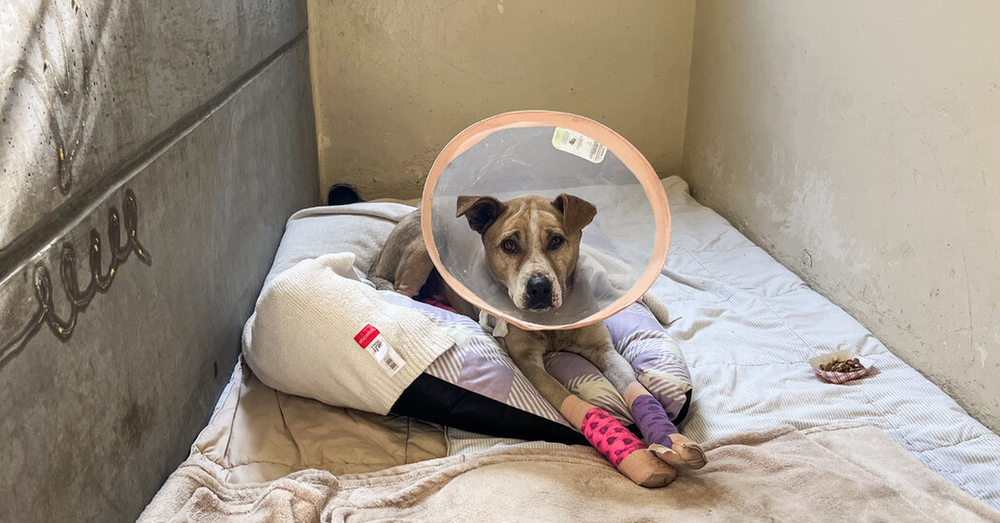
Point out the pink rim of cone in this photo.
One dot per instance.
(625, 151)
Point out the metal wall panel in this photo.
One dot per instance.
(88, 85)
(110, 363)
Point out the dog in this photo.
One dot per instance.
(532, 246)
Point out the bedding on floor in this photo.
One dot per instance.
(746, 327)
(314, 315)
(828, 474)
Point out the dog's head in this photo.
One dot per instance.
(532, 244)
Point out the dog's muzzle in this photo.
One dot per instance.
(539, 292)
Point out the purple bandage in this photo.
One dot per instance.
(652, 420)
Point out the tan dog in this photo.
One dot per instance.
(532, 245)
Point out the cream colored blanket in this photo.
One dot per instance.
(261, 435)
(845, 474)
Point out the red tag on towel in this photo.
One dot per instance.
(365, 337)
(384, 354)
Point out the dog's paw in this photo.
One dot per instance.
(646, 470)
(684, 453)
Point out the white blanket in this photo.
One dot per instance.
(747, 327)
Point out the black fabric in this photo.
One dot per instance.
(684, 410)
(342, 194)
(435, 400)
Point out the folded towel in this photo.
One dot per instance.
(319, 332)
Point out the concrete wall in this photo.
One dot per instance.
(189, 123)
(394, 81)
(858, 143)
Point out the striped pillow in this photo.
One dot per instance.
(475, 382)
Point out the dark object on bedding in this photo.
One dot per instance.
(842, 366)
(684, 410)
(435, 400)
(342, 194)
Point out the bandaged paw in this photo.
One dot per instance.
(608, 436)
(683, 453)
(625, 450)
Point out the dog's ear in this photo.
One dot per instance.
(481, 211)
(577, 212)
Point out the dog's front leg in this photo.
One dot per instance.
(594, 343)
(622, 448)
(527, 349)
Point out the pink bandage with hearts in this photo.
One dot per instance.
(608, 436)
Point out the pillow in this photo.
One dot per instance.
(475, 386)
(656, 357)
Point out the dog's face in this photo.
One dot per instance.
(532, 244)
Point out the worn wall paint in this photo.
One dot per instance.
(858, 143)
(394, 81)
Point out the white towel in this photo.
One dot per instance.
(319, 332)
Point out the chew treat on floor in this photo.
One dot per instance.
(659, 432)
(624, 450)
(850, 365)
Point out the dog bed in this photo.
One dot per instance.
(746, 326)
(310, 322)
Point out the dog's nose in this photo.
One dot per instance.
(539, 292)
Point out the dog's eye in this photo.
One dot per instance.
(556, 242)
(509, 246)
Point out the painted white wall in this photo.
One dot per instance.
(859, 142)
(394, 81)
